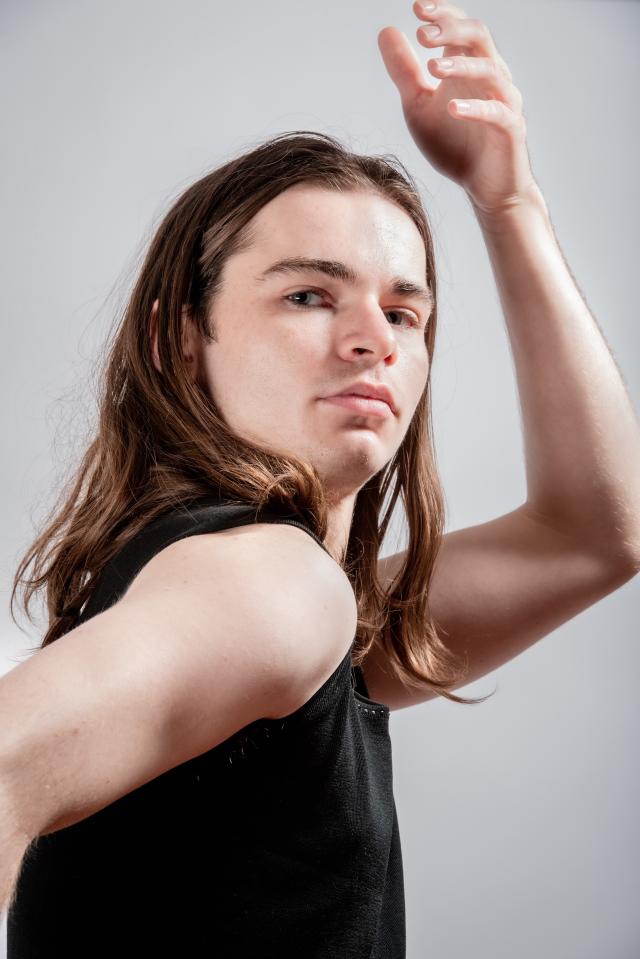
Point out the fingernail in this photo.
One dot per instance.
(428, 7)
(446, 64)
(433, 30)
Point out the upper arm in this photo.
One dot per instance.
(207, 639)
(497, 588)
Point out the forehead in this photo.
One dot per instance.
(359, 226)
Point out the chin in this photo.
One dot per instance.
(351, 464)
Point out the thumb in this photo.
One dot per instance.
(401, 61)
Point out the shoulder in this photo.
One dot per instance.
(273, 589)
(215, 632)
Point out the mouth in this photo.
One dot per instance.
(367, 405)
(371, 390)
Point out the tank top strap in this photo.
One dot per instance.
(226, 511)
(204, 515)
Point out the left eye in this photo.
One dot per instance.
(407, 316)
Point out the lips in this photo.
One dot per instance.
(376, 391)
(363, 405)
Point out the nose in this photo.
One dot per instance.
(365, 327)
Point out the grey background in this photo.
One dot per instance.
(518, 817)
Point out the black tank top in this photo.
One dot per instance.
(280, 842)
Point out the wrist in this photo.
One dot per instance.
(510, 213)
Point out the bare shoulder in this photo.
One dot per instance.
(215, 632)
(288, 607)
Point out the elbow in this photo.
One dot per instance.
(632, 565)
(617, 557)
(622, 556)
(628, 551)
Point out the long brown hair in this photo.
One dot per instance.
(160, 441)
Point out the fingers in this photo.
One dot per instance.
(477, 56)
(494, 112)
(402, 62)
(419, 8)
(484, 72)
(456, 29)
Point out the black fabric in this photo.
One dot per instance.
(280, 842)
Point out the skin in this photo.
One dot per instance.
(273, 360)
(501, 585)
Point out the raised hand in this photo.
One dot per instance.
(481, 146)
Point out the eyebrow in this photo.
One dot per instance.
(340, 271)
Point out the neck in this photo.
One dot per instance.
(339, 525)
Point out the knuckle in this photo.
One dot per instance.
(481, 28)
(502, 66)
(498, 71)
(514, 120)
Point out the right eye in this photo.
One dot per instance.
(302, 293)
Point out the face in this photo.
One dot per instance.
(287, 340)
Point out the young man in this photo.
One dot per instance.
(210, 636)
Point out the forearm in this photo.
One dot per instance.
(581, 434)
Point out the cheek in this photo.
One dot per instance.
(259, 383)
(412, 372)
(413, 367)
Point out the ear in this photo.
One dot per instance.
(190, 341)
